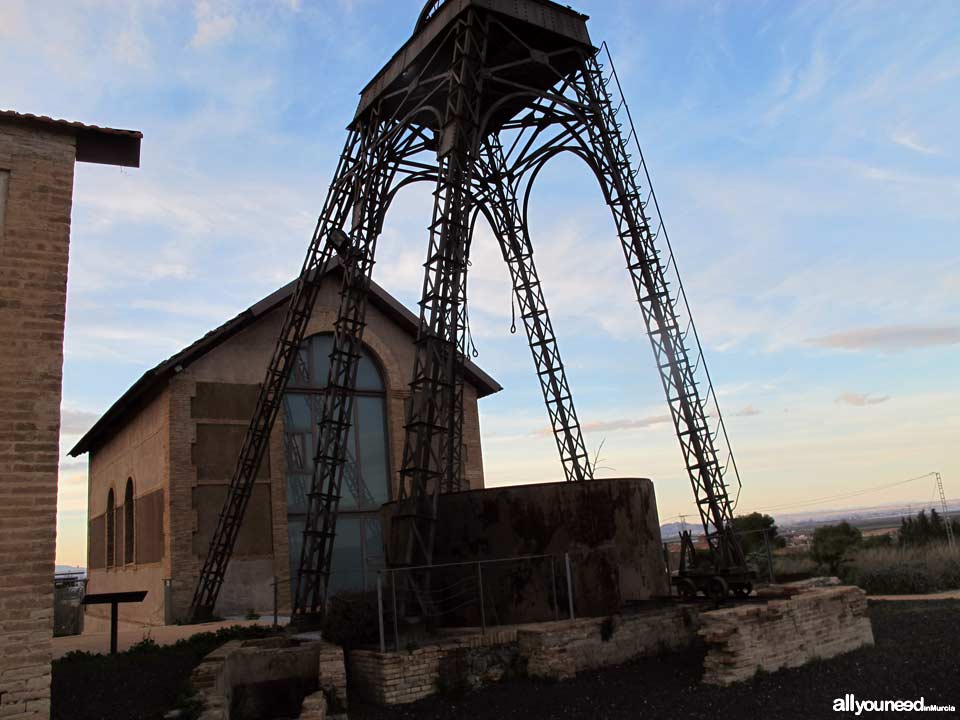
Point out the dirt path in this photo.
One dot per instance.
(946, 595)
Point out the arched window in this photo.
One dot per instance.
(128, 529)
(111, 534)
(358, 548)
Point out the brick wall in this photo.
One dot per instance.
(405, 676)
(138, 451)
(816, 623)
(33, 278)
(547, 651)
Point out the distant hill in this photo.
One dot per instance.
(859, 516)
(69, 570)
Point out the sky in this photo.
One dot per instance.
(806, 161)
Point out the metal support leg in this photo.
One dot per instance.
(432, 448)
(661, 307)
(511, 231)
(383, 646)
(335, 213)
(114, 622)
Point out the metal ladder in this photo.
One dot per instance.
(676, 345)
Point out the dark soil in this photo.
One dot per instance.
(917, 654)
(141, 684)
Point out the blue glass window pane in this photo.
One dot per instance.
(295, 527)
(372, 447)
(368, 376)
(320, 347)
(346, 571)
(297, 413)
(373, 549)
(300, 374)
(297, 488)
(358, 547)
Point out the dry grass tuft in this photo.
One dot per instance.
(905, 570)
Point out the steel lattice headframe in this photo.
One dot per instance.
(477, 102)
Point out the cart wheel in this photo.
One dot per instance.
(686, 589)
(743, 590)
(717, 589)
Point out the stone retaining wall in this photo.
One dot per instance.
(239, 674)
(815, 623)
(550, 651)
(559, 650)
(393, 678)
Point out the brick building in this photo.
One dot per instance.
(161, 457)
(37, 155)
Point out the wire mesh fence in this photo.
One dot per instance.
(415, 601)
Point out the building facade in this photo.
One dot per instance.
(161, 458)
(37, 156)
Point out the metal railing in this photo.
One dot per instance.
(458, 598)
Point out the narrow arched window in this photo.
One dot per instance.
(358, 547)
(128, 514)
(111, 534)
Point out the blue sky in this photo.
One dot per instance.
(805, 156)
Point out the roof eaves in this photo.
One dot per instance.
(150, 381)
(95, 144)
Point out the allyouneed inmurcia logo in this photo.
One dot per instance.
(849, 703)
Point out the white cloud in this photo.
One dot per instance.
(861, 399)
(890, 338)
(909, 141)
(214, 24)
(74, 421)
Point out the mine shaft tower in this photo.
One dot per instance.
(476, 102)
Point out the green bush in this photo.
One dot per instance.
(832, 544)
(904, 570)
(751, 529)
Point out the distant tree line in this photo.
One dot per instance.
(926, 529)
(832, 543)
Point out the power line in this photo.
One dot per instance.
(832, 498)
(829, 498)
(845, 496)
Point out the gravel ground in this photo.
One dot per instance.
(917, 654)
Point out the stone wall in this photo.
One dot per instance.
(405, 676)
(248, 678)
(815, 623)
(547, 651)
(34, 240)
(559, 650)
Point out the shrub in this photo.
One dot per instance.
(905, 570)
(794, 566)
(751, 529)
(831, 543)
(876, 541)
(351, 619)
